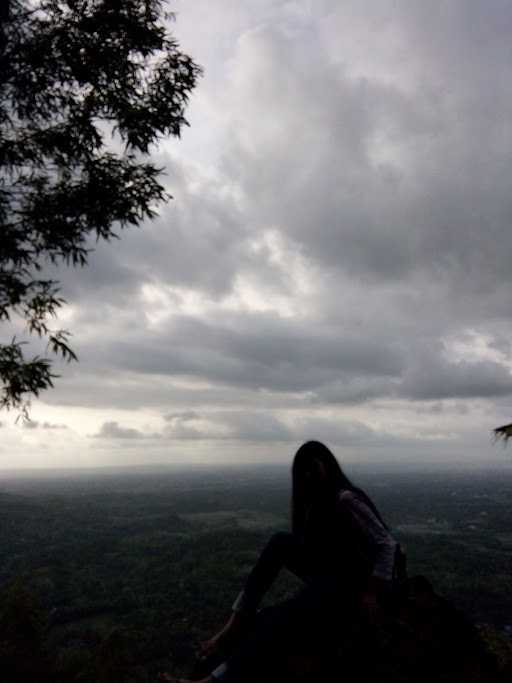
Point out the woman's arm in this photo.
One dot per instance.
(379, 539)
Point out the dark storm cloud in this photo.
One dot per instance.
(353, 390)
(428, 377)
(255, 426)
(263, 351)
(444, 208)
(181, 425)
(261, 426)
(253, 351)
(230, 425)
(123, 389)
(112, 430)
(440, 380)
(348, 433)
(198, 240)
(384, 171)
(181, 416)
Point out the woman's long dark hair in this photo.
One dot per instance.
(336, 481)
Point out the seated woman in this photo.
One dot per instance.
(342, 550)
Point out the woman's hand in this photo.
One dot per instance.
(209, 648)
(370, 606)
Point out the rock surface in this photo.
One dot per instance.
(425, 640)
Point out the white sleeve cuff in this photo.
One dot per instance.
(240, 603)
(219, 672)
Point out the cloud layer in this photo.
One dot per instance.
(338, 248)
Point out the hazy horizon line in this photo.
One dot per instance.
(81, 470)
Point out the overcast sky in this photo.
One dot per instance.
(335, 263)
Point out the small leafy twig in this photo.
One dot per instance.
(504, 433)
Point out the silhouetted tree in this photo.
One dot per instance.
(70, 71)
(504, 432)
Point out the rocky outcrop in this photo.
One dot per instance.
(424, 640)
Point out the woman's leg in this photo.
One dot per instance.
(304, 622)
(283, 550)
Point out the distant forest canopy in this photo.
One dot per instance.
(130, 570)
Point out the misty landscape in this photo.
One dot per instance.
(156, 555)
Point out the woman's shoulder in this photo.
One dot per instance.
(347, 496)
(350, 499)
(357, 506)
